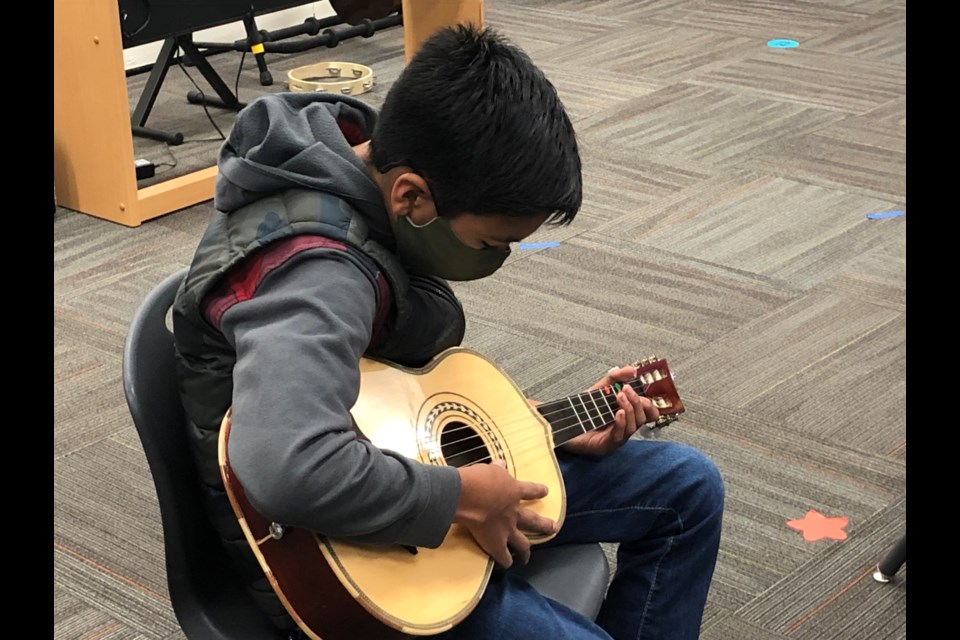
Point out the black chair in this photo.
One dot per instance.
(208, 598)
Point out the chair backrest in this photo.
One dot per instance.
(208, 598)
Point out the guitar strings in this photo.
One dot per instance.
(565, 407)
(516, 451)
(567, 404)
(489, 458)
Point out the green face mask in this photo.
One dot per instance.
(434, 249)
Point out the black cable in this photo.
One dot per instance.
(137, 32)
(123, 18)
(174, 160)
(236, 84)
(200, 91)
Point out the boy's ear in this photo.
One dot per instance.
(410, 196)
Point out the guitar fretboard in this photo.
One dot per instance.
(583, 412)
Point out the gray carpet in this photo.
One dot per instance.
(724, 227)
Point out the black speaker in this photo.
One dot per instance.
(145, 21)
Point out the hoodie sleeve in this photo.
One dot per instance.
(299, 341)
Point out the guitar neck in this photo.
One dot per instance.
(590, 410)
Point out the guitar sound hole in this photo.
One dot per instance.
(461, 445)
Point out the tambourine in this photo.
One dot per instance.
(348, 78)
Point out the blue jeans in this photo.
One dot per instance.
(663, 502)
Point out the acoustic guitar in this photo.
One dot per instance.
(458, 410)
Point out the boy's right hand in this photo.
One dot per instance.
(490, 508)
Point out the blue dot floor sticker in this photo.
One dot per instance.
(539, 245)
(885, 214)
(783, 44)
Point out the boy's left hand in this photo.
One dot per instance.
(635, 411)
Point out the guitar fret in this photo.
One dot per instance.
(586, 410)
(576, 414)
(603, 420)
(611, 399)
(571, 416)
(569, 425)
(563, 418)
(613, 402)
(612, 405)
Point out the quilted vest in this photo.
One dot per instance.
(301, 219)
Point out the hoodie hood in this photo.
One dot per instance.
(299, 140)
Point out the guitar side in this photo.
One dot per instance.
(292, 560)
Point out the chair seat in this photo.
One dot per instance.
(574, 574)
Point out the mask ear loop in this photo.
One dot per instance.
(421, 226)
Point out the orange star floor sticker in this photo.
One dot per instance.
(816, 526)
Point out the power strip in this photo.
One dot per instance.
(145, 169)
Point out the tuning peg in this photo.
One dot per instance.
(663, 421)
(651, 430)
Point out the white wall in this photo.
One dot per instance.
(145, 55)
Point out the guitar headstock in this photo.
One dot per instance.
(656, 382)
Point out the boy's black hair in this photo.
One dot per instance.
(480, 122)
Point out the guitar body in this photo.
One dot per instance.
(460, 409)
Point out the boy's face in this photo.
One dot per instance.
(499, 231)
(464, 246)
(410, 196)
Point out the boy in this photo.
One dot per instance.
(336, 230)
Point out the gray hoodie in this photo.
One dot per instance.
(300, 337)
